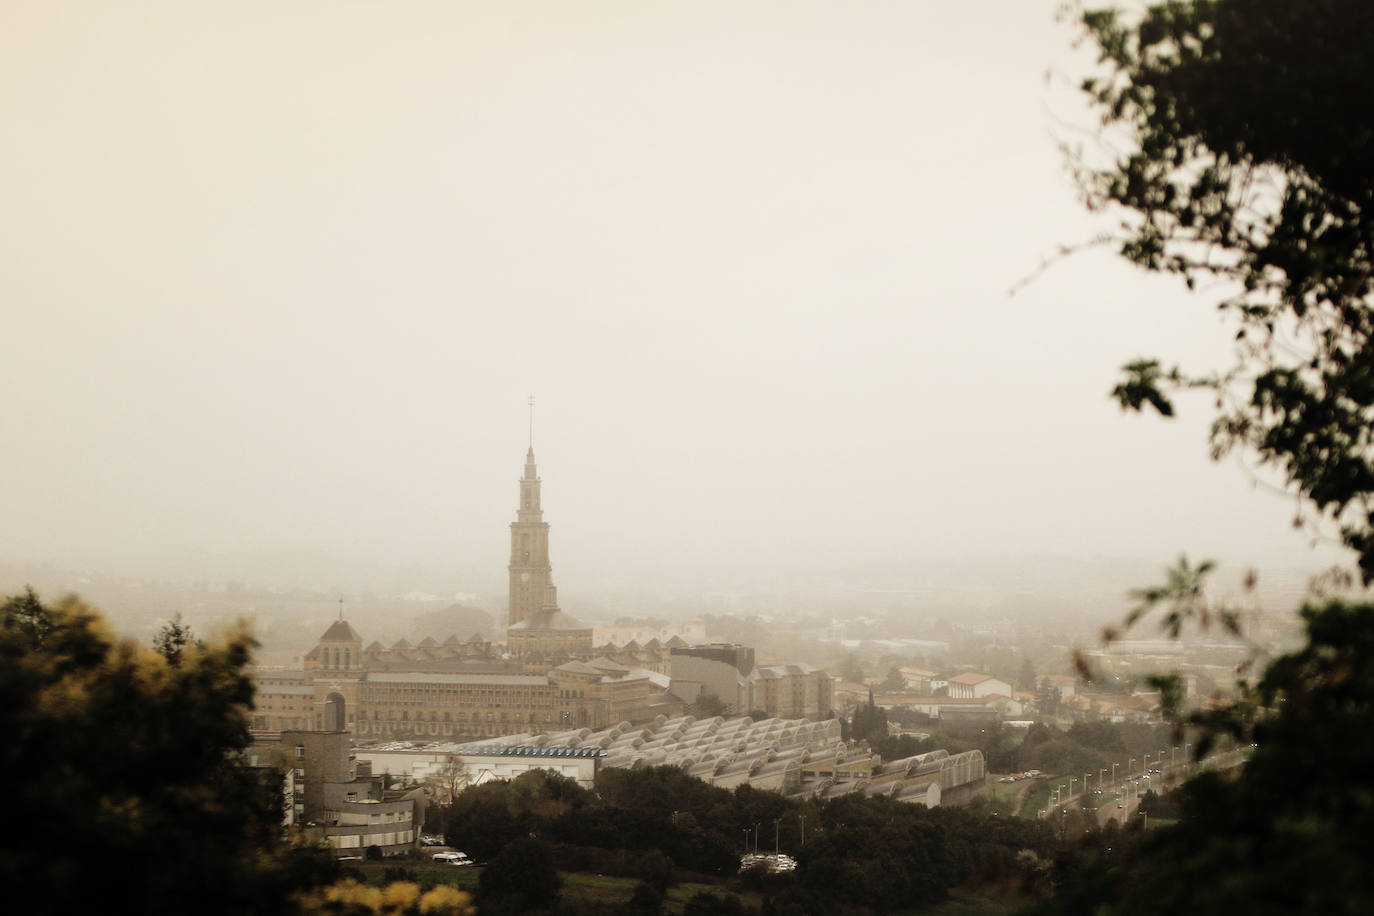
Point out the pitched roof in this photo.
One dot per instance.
(340, 631)
(970, 677)
(609, 664)
(579, 668)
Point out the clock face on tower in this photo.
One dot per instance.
(524, 577)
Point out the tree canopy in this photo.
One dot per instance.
(1249, 137)
(126, 779)
(114, 749)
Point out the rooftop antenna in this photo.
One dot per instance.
(531, 422)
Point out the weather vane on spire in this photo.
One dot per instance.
(531, 421)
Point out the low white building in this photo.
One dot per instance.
(971, 685)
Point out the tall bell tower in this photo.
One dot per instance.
(531, 576)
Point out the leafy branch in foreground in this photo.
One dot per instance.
(1182, 602)
(1249, 168)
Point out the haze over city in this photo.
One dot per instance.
(279, 280)
(746, 458)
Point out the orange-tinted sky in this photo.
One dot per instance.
(277, 278)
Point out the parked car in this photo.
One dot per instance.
(452, 858)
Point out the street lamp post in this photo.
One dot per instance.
(1130, 764)
(802, 818)
(1113, 776)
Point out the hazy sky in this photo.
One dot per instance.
(277, 279)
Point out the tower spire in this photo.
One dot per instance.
(531, 422)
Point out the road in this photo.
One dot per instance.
(1123, 808)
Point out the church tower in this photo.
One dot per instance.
(531, 576)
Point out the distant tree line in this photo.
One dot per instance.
(659, 825)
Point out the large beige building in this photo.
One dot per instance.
(339, 689)
(792, 691)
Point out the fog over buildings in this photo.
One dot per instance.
(277, 280)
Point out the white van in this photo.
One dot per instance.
(452, 858)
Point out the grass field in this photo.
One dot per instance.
(1005, 797)
(979, 903)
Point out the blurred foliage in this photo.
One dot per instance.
(1290, 833)
(124, 774)
(349, 898)
(1247, 168)
(126, 778)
